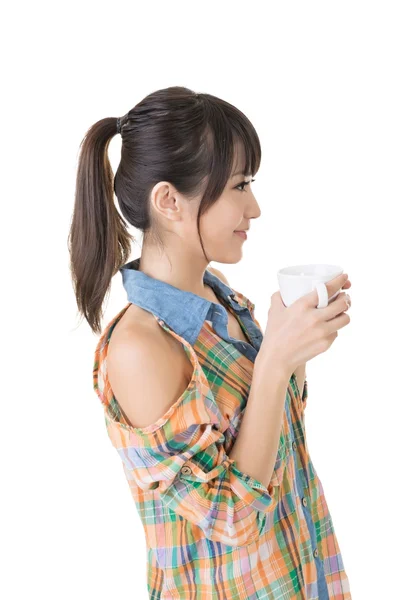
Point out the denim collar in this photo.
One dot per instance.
(181, 310)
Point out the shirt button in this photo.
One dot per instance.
(186, 470)
(304, 501)
(294, 445)
(316, 552)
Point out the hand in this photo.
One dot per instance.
(345, 286)
(301, 331)
(300, 369)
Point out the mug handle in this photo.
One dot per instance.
(322, 293)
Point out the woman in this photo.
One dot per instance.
(204, 409)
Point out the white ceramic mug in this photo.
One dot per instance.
(298, 280)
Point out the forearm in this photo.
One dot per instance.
(256, 446)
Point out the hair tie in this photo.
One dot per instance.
(119, 125)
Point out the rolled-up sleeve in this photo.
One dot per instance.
(182, 458)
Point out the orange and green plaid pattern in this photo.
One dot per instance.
(211, 530)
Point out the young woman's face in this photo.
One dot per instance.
(231, 212)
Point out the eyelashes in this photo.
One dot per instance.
(244, 183)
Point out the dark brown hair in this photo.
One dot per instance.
(172, 135)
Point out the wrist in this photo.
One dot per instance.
(269, 359)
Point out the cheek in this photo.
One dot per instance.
(217, 230)
(220, 221)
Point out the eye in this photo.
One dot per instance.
(243, 184)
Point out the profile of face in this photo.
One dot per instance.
(233, 211)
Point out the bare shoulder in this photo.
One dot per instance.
(219, 274)
(147, 368)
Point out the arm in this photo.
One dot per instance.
(179, 448)
(260, 447)
(300, 371)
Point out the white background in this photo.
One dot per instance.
(320, 83)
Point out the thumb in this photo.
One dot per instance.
(276, 300)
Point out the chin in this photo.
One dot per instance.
(227, 258)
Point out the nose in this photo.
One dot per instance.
(254, 210)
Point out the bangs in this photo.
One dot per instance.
(231, 144)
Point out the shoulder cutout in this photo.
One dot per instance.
(146, 375)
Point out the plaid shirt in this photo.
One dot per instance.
(211, 530)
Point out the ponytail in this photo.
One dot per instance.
(98, 241)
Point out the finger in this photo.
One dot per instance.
(332, 286)
(335, 285)
(341, 320)
(335, 308)
(277, 300)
